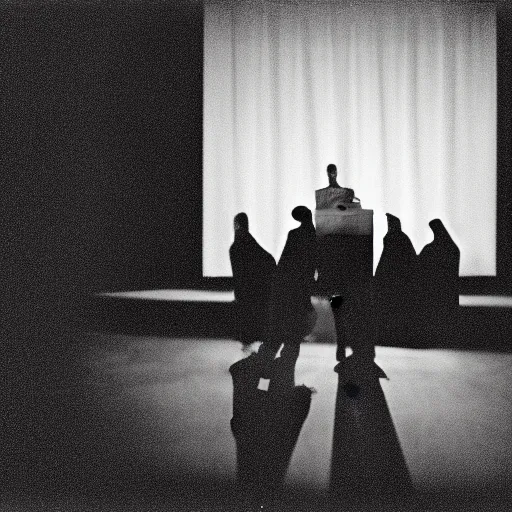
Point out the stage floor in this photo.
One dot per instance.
(146, 406)
(484, 322)
(228, 296)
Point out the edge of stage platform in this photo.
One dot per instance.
(181, 313)
(486, 321)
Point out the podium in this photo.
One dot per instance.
(345, 267)
(345, 249)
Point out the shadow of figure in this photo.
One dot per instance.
(266, 426)
(437, 288)
(394, 286)
(368, 468)
(253, 269)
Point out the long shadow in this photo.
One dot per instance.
(266, 425)
(368, 468)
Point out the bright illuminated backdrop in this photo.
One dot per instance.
(400, 95)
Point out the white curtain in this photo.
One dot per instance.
(401, 96)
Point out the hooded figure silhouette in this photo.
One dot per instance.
(394, 284)
(437, 284)
(253, 269)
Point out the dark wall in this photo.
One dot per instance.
(503, 281)
(155, 180)
(102, 105)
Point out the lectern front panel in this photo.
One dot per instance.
(345, 250)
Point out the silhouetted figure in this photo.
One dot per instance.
(333, 196)
(345, 238)
(291, 314)
(266, 426)
(368, 467)
(253, 269)
(437, 283)
(394, 292)
(347, 268)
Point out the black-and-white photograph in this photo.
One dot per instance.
(257, 255)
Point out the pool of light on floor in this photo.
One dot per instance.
(228, 296)
(176, 295)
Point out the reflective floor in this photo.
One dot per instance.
(228, 296)
(146, 408)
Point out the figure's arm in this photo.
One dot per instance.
(237, 271)
(285, 255)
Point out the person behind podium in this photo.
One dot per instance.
(253, 268)
(291, 314)
(333, 196)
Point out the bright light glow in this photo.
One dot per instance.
(401, 96)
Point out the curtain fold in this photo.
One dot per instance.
(400, 96)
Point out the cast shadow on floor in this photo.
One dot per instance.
(266, 424)
(368, 468)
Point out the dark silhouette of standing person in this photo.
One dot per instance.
(334, 195)
(393, 284)
(437, 284)
(291, 314)
(253, 269)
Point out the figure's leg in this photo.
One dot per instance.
(274, 332)
(362, 323)
(289, 333)
(282, 378)
(290, 353)
(268, 350)
(338, 308)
